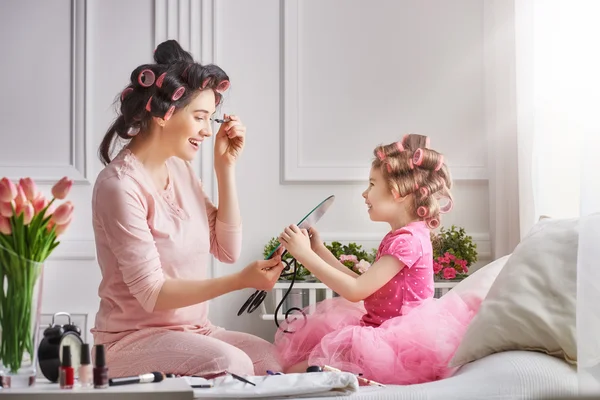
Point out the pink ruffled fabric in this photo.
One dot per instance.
(415, 347)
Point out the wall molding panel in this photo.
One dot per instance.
(78, 167)
(293, 168)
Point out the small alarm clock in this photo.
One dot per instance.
(50, 348)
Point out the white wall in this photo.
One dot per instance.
(316, 100)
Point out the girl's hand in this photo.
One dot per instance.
(296, 241)
(229, 141)
(315, 238)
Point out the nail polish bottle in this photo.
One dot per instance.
(100, 369)
(66, 371)
(85, 369)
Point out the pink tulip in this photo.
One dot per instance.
(8, 190)
(61, 189)
(29, 187)
(21, 199)
(60, 229)
(5, 226)
(63, 213)
(6, 209)
(40, 203)
(28, 213)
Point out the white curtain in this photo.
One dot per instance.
(558, 142)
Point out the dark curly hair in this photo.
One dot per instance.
(159, 90)
(411, 167)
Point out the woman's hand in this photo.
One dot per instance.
(296, 241)
(229, 141)
(263, 274)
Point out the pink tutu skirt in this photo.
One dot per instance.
(415, 347)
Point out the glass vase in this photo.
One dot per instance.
(20, 299)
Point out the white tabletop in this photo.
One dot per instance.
(169, 389)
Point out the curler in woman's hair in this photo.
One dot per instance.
(222, 86)
(169, 113)
(410, 164)
(389, 168)
(161, 79)
(422, 212)
(149, 104)
(146, 78)
(204, 83)
(417, 158)
(399, 146)
(380, 155)
(133, 130)
(178, 93)
(126, 92)
(439, 163)
(424, 191)
(433, 223)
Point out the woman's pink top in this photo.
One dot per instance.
(413, 284)
(145, 235)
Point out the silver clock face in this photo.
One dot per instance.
(74, 342)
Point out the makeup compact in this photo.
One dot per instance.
(50, 350)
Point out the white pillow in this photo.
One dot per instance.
(477, 285)
(531, 304)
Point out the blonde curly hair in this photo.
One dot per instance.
(411, 167)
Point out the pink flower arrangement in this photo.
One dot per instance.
(30, 225)
(352, 262)
(450, 267)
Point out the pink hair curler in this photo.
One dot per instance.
(178, 93)
(439, 163)
(446, 207)
(380, 155)
(410, 164)
(169, 113)
(160, 80)
(126, 92)
(149, 104)
(389, 168)
(433, 223)
(417, 158)
(399, 146)
(146, 78)
(223, 86)
(395, 194)
(205, 83)
(422, 212)
(424, 191)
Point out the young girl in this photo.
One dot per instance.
(401, 335)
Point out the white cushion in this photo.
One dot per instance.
(531, 304)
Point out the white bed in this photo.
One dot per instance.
(506, 375)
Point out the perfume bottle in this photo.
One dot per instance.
(85, 368)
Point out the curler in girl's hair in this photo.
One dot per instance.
(133, 130)
(427, 142)
(424, 191)
(126, 92)
(204, 83)
(389, 168)
(417, 157)
(160, 79)
(447, 206)
(146, 78)
(178, 93)
(399, 146)
(422, 212)
(433, 223)
(149, 104)
(380, 155)
(395, 194)
(439, 163)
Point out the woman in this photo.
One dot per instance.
(155, 227)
